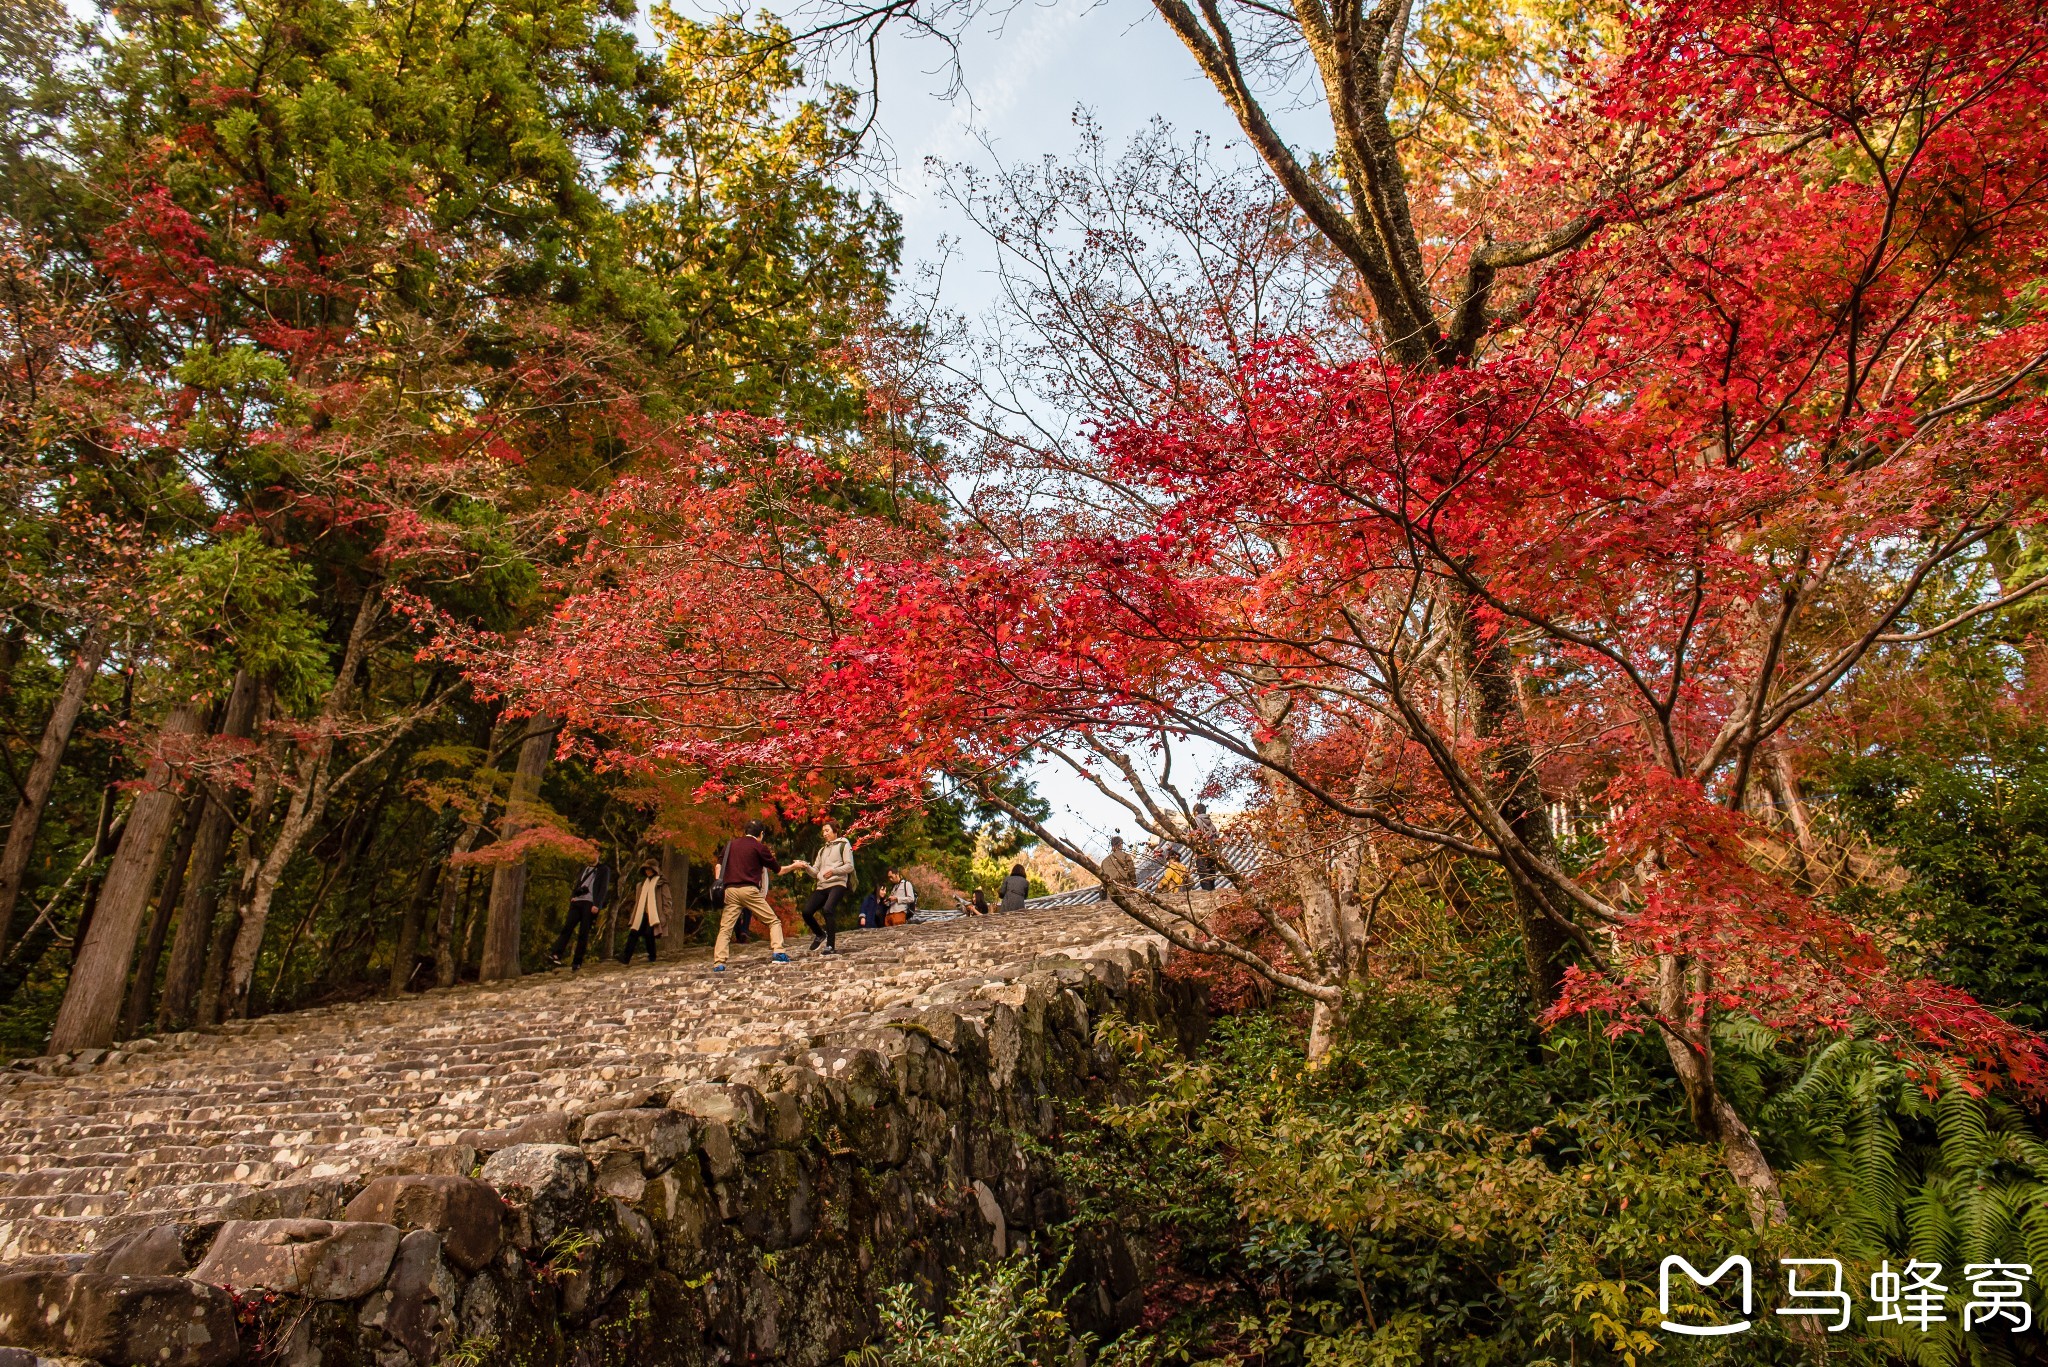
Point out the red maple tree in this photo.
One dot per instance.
(1778, 371)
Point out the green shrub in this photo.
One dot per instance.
(1004, 1319)
(1969, 822)
(1452, 1188)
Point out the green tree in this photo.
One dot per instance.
(367, 295)
(1969, 823)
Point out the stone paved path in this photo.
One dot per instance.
(257, 1120)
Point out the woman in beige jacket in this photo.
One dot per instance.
(652, 906)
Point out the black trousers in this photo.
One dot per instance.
(646, 932)
(821, 914)
(582, 916)
(1205, 870)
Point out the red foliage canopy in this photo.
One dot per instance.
(1791, 377)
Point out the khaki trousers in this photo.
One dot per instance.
(741, 902)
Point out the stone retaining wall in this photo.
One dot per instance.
(752, 1218)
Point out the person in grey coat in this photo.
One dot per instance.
(833, 868)
(1015, 889)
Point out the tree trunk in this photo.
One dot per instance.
(445, 943)
(1330, 926)
(42, 775)
(142, 983)
(675, 867)
(35, 942)
(346, 866)
(1785, 785)
(262, 795)
(508, 881)
(302, 813)
(13, 644)
(92, 1002)
(1679, 985)
(471, 921)
(1511, 777)
(194, 929)
(406, 952)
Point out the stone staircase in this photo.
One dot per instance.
(284, 1116)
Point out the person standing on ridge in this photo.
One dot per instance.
(743, 872)
(592, 894)
(1207, 838)
(1015, 889)
(833, 868)
(652, 906)
(1117, 865)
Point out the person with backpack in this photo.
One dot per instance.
(652, 907)
(1118, 866)
(833, 869)
(592, 894)
(902, 897)
(742, 874)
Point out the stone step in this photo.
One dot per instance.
(67, 1204)
(202, 1125)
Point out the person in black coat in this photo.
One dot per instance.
(592, 894)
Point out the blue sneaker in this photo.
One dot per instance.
(780, 958)
(718, 968)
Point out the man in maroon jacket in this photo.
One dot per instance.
(744, 870)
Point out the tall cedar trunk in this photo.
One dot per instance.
(471, 921)
(106, 834)
(92, 1002)
(42, 774)
(405, 954)
(248, 861)
(13, 644)
(107, 837)
(302, 813)
(446, 948)
(675, 867)
(1511, 776)
(448, 940)
(508, 881)
(194, 929)
(354, 846)
(35, 942)
(142, 982)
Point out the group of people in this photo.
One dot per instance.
(740, 879)
(1120, 867)
(1011, 894)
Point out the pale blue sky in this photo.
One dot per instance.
(1023, 76)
